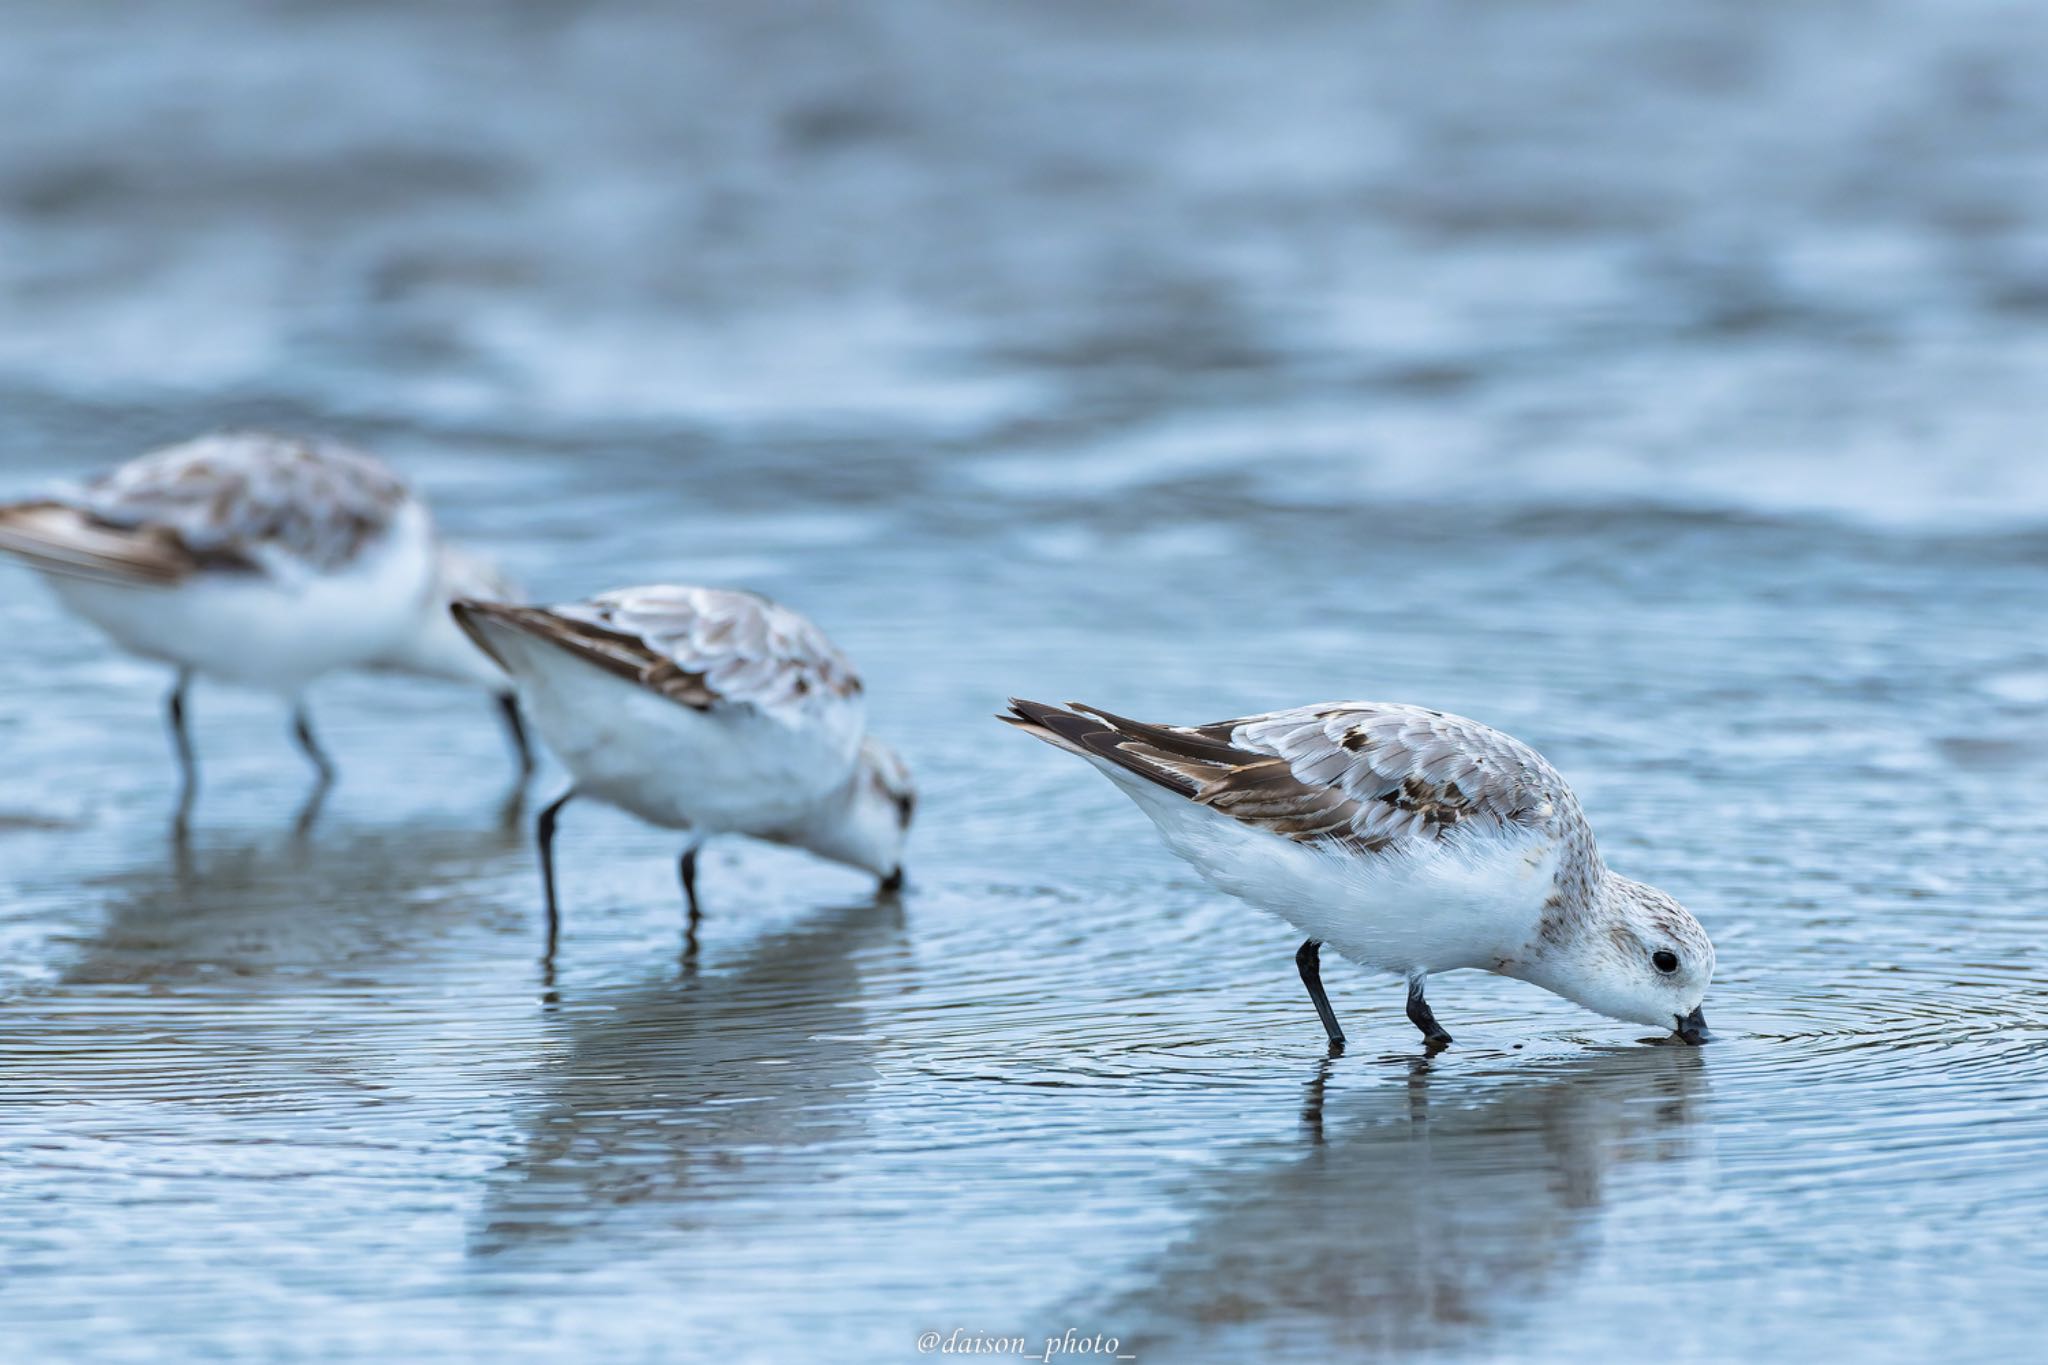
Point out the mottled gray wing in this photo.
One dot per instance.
(1396, 772)
(244, 499)
(1370, 775)
(702, 647)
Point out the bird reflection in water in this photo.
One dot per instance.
(667, 1096)
(1422, 1214)
(247, 906)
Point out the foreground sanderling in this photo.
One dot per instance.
(1410, 841)
(705, 710)
(264, 561)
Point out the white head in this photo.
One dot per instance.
(1634, 954)
(437, 647)
(868, 827)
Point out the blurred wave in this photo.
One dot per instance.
(1583, 255)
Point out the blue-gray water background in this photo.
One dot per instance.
(1663, 383)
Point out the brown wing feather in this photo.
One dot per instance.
(700, 647)
(626, 656)
(1088, 737)
(234, 502)
(240, 499)
(1368, 775)
(65, 540)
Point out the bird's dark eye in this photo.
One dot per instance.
(1666, 960)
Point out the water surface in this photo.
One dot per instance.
(1663, 387)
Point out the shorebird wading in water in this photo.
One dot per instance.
(1410, 841)
(704, 710)
(260, 560)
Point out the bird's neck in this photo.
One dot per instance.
(1575, 907)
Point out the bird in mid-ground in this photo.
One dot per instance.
(1412, 842)
(705, 710)
(260, 560)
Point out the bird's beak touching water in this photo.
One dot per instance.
(1693, 1028)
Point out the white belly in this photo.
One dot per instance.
(722, 771)
(270, 632)
(1450, 906)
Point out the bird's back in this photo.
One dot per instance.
(686, 705)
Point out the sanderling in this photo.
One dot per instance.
(705, 710)
(264, 561)
(1410, 841)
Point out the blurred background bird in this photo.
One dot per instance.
(264, 561)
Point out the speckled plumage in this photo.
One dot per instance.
(252, 497)
(707, 710)
(1425, 842)
(702, 647)
(262, 560)
(1373, 777)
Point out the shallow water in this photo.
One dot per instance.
(1663, 387)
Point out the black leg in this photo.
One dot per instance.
(309, 809)
(1420, 1016)
(687, 871)
(515, 728)
(181, 746)
(302, 731)
(544, 838)
(1309, 959)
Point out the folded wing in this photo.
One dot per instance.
(703, 648)
(1368, 775)
(234, 502)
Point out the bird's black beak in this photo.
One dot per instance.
(894, 882)
(1693, 1028)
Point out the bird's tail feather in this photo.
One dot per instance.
(55, 538)
(1099, 735)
